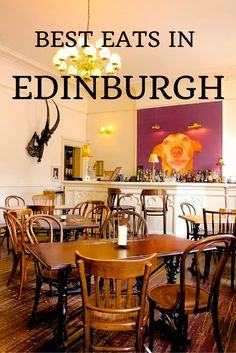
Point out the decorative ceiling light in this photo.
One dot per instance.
(87, 61)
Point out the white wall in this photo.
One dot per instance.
(21, 174)
(119, 147)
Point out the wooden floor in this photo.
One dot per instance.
(16, 337)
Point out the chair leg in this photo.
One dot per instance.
(214, 314)
(87, 338)
(16, 259)
(232, 269)
(39, 282)
(139, 340)
(207, 265)
(23, 265)
(151, 325)
(182, 334)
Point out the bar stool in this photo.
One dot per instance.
(114, 199)
(150, 196)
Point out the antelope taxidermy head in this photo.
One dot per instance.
(36, 145)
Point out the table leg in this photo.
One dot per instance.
(195, 237)
(172, 268)
(196, 227)
(60, 334)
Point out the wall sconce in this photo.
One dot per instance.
(156, 127)
(194, 125)
(105, 130)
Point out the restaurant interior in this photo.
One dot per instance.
(118, 164)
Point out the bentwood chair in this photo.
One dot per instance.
(15, 222)
(42, 209)
(4, 234)
(43, 199)
(154, 203)
(99, 215)
(14, 200)
(136, 225)
(115, 307)
(116, 200)
(188, 209)
(84, 206)
(220, 223)
(176, 301)
(42, 274)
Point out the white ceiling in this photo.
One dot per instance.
(214, 23)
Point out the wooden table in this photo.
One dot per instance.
(196, 220)
(72, 223)
(65, 209)
(61, 256)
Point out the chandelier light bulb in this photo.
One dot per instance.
(90, 51)
(115, 59)
(72, 53)
(72, 70)
(62, 68)
(99, 43)
(104, 53)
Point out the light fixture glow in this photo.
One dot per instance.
(87, 61)
(153, 158)
(105, 130)
(156, 127)
(194, 125)
(86, 151)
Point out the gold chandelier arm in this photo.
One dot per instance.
(88, 15)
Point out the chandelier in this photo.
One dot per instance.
(86, 61)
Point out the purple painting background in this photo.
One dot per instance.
(176, 118)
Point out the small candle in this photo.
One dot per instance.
(63, 217)
(122, 235)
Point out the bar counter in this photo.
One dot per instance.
(208, 195)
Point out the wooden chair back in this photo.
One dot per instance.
(14, 200)
(42, 209)
(136, 224)
(43, 200)
(154, 202)
(116, 200)
(111, 304)
(113, 195)
(188, 209)
(84, 206)
(17, 239)
(219, 222)
(199, 247)
(16, 231)
(98, 214)
(53, 225)
(177, 301)
(22, 215)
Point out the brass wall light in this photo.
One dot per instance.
(194, 125)
(156, 127)
(105, 130)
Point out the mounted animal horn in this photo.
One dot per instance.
(36, 145)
